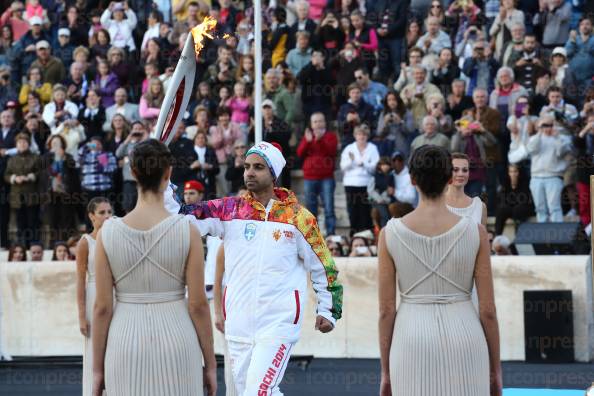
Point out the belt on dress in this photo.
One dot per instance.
(150, 298)
(434, 298)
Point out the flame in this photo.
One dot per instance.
(201, 31)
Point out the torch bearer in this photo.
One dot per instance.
(179, 90)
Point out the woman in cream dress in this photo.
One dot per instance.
(98, 209)
(437, 344)
(456, 200)
(157, 339)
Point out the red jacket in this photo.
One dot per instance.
(319, 156)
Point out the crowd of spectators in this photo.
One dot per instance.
(350, 87)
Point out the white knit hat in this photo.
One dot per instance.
(272, 155)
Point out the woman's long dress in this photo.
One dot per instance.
(152, 346)
(438, 345)
(90, 292)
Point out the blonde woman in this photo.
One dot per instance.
(151, 101)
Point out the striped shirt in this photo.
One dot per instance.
(97, 168)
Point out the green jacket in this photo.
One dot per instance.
(27, 193)
(285, 104)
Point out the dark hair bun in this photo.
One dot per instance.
(431, 168)
(149, 161)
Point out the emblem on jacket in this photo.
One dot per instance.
(276, 234)
(250, 231)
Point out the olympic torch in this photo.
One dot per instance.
(179, 90)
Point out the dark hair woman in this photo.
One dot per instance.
(437, 255)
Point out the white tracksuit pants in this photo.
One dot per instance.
(258, 368)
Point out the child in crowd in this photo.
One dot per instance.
(381, 193)
(60, 252)
(240, 104)
(99, 209)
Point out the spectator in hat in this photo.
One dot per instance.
(120, 29)
(13, 17)
(120, 106)
(559, 65)
(22, 173)
(206, 166)
(51, 67)
(580, 50)
(430, 135)
(64, 50)
(27, 52)
(234, 173)
(193, 192)
(317, 149)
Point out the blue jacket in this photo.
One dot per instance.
(581, 57)
(470, 69)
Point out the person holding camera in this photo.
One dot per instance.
(529, 65)
(59, 109)
(564, 114)
(13, 17)
(481, 67)
(501, 27)
(138, 134)
(416, 93)
(395, 127)
(120, 29)
(547, 149)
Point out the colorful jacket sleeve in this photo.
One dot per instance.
(321, 266)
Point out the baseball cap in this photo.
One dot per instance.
(42, 44)
(268, 102)
(64, 32)
(397, 154)
(193, 185)
(35, 21)
(559, 51)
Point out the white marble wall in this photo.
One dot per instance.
(40, 315)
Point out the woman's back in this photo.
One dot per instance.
(438, 343)
(151, 261)
(148, 268)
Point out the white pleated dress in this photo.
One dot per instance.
(152, 346)
(90, 293)
(438, 345)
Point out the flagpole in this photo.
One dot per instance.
(258, 69)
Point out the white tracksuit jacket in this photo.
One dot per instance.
(268, 254)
